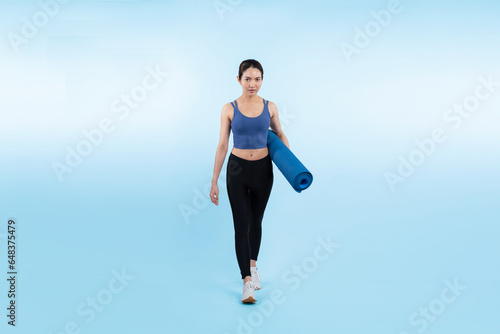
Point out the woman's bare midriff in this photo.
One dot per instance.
(250, 154)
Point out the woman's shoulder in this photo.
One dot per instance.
(272, 107)
(229, 105)
(228, 110)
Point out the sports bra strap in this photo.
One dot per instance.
(235, 104)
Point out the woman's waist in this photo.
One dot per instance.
(252, 155)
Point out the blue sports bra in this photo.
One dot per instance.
(250, 132)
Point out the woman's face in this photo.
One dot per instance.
(251, 81)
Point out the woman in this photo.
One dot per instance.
(249, 175)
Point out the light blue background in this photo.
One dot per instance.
(122, 207)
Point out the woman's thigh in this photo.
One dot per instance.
(261, 187)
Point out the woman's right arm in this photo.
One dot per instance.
(222, 147)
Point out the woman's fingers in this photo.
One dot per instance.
(214, 196)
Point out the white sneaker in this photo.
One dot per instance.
(255, 277)
(248, 293)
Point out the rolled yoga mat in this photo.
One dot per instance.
(293, 170)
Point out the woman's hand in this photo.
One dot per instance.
(214, 194)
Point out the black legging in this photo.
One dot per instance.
(249, 184)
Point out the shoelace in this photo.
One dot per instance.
(255, 272)
(248, 286)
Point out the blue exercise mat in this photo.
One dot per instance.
(293, 170)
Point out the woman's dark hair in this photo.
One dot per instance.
(250, 63)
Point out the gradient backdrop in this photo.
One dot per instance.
(110, 118)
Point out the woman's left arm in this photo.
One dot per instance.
(275, 123)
